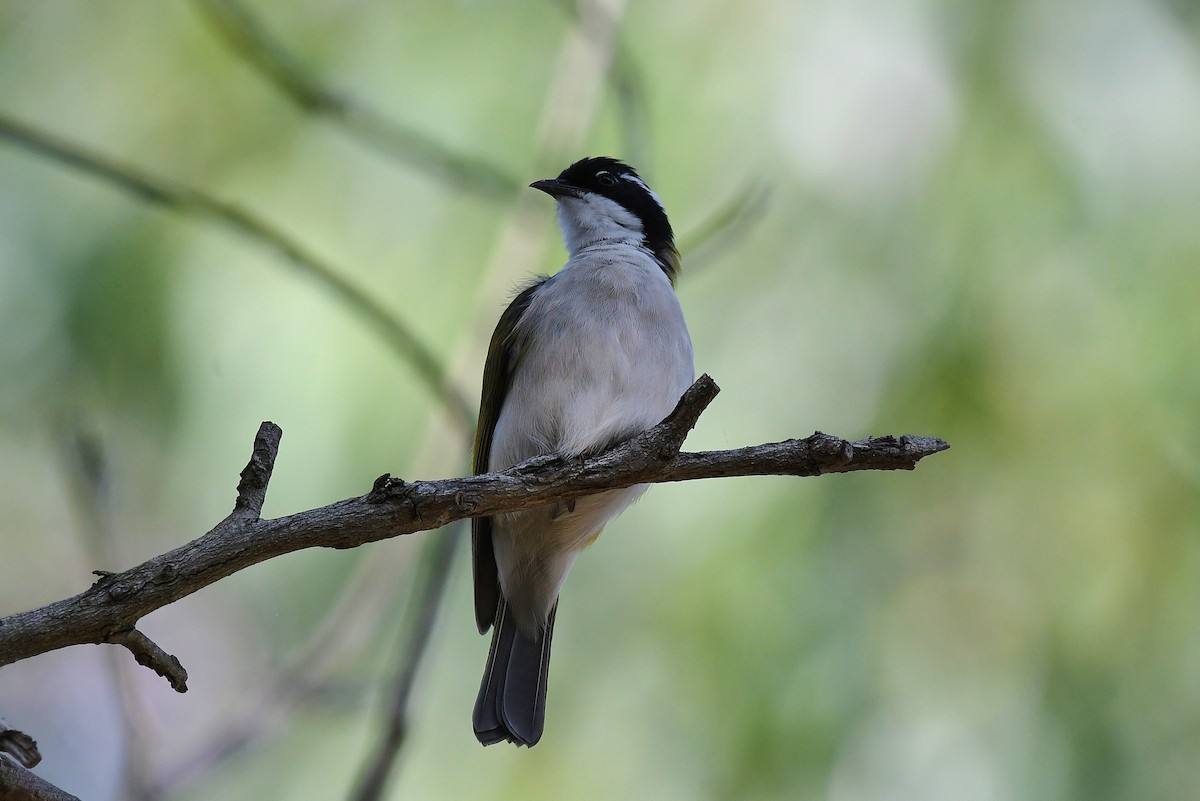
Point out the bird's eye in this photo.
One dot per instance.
(606, 179)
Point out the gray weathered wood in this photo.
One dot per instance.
(109, 609)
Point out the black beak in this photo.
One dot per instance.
(555, 188)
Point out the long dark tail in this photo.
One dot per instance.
(512, 698)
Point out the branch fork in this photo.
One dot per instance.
(108, 611)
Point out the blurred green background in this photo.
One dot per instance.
(980, 224)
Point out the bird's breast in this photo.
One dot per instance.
(605, 353)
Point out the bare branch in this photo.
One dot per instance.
(108, 610)
(423, 609)
(252, 489)
(19, 784)
(729, 224)
(626, 80)
(148, 654)
(248, 38)
(187, 200)
(86, 472)
(347, 628)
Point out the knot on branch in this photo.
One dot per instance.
(116, 588)
(103, 577)
(166, 574)
(386, 488)
(830, 451)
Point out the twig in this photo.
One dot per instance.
(394, 507)
(423, 607)
(255, 44)
(724, 228)
(184, 199)
(19, 745)
(256, 475)
(20, 784)
(107, 609)
(344, 631)
(148, 654)
(88, 480)
(628, 85)
(248, 38)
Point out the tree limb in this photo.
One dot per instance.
(423, 608)
(20, 784)
(249, 39)
(624, 75)
(178, 197)
(109, 609)
(88, 481)
(725, 227)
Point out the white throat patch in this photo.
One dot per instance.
(594, 218)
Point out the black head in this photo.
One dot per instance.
(620, 183)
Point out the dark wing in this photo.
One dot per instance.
(502, 358)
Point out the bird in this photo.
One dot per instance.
(579, 361)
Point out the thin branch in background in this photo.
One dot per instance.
(632, 107)
(726, 228)
(294, 685)
(248, 38)
(422, 613)
(187, 200)
(348, 627)
(628, 85)
(88, 480)
(568, 111)
(422, 610)
(732, 221)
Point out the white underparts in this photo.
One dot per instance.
(604, 354)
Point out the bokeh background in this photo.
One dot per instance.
(971, 220)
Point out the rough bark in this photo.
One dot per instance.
(21, 784)
(108, 611)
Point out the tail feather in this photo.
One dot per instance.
(512, 697)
